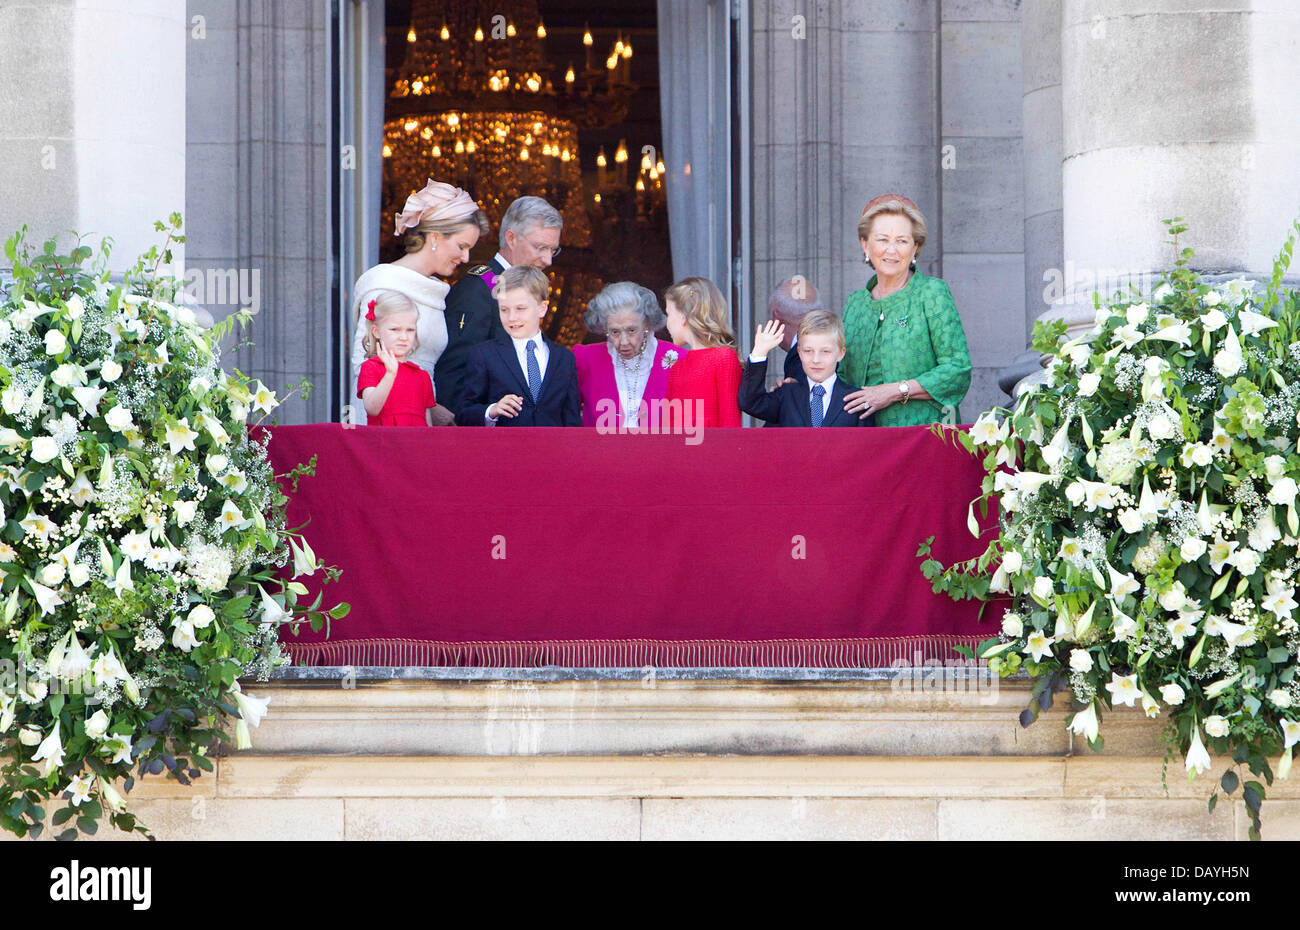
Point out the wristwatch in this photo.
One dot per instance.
(904, 390)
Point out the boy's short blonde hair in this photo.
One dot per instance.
(817, 322)
(533, 280)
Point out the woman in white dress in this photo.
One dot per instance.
(440, 224)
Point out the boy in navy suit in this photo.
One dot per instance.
(521, 378)
(819, 401)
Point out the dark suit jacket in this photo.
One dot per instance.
(788, 404)
(472, 317)
(794, 365)
(494, 372)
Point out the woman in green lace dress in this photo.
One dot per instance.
(905, 341)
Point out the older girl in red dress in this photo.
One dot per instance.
(706, 378)
(396, 391)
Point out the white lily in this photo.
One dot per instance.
(1084, 723)
(1120, 585)
(88, 399)
(1027, 482)
(50, 751)
(1180, 333)
(1055, 451)
(1123, 689)
(1290, 732)
(1229, 360)
(1129, 336)
(180, 436)
(1198, 760)
(1220, 552)
(1179, 629)
(45, 598)
(987, 430)
(304, 559)
(1122, 627)
(1038, 645)
(264, 398)
(1252, 323)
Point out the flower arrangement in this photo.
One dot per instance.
(1148, 530)
(141, 539)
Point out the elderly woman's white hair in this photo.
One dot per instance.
(624, 295)
(526, 214)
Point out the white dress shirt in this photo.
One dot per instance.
(521, 352)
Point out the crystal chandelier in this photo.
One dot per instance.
(477, 104)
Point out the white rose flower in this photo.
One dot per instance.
(76, 306)
(1212, 299)
(1079, 355)
(1042, 587)
(217, 464)
(66, 375)
(1212, 320)
(185, 511)
(78, 574)
(1089, 383)
(119, 419)
(97, 725)
(44, 449)
(1192, 548)
(1246, 561)
(1081, 660)
(1275, 467)
(201, 616)
(1130, 520)
(1012, 625)
(1012, 561)
(52, 574)
(1075, 493)
(110, 371)
(1172, 695)
(1137, 314)
(1283, 491)
(1160, 427)
(1162, 292)
(55, 342)
(1280, 698)
(1216, 725)
(1202, 454)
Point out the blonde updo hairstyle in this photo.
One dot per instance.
(386, 304)
(896, 205)
(705, 310)
(414, 238)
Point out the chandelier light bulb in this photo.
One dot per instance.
(534, 85)
(600, 159)
(569, 76)
(460, 147)
(627, 50)
(453, 120)
(471, 147)
(523, 154)
(417, 86)
(445, 34)
(436, 153)
(410, 36)
(646, 164)
(510, 30)
(494, 82)
(411, 125)
(640, 185)
(541, 30)
(659, 166)
(611, 61)
(388, 151)
(478, 34)
(596, 198)
(586, 37)
(621, 155)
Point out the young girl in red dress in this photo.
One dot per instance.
(707, 377)
(396, 392)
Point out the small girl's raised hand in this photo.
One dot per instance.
(768, 337)
(390, 362)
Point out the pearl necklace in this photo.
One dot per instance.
(629, 411)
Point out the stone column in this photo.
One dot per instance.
(1177, 108)
(828, 137)
(92, 120)
(1041, 68)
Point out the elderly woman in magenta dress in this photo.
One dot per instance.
(620, 379)
(439, 225)
(905, 340)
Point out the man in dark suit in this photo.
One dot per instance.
(790, 301)
(530, 235)
(815, 402)
(521, 378)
